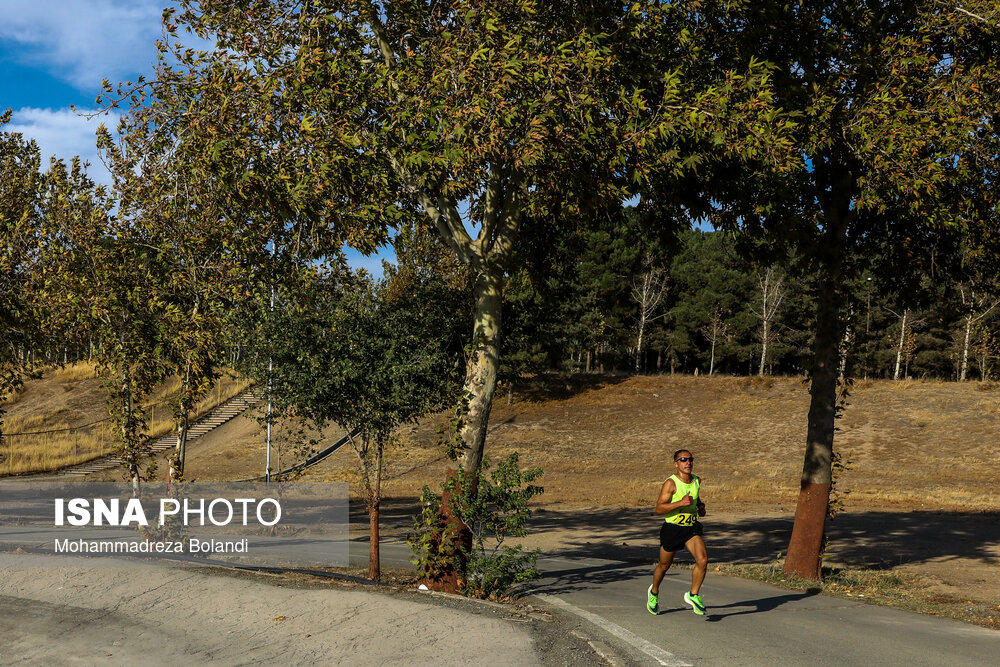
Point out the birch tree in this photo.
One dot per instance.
(772, 293)
(713, 332)
(977, 306)
(648, 291)
(904, 320)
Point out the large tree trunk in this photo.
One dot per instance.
(806, 543)
(485, 255)
(481, 370)
(480, 384)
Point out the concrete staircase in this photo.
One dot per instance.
(215, 418)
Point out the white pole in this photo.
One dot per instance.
(267, 472)
(270, 367)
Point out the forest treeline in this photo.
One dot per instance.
(694, 304)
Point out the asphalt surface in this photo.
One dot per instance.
(748, 623)
(598, 606)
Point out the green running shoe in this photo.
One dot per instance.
(695, 602)
(652, 601)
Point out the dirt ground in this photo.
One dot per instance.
(921, 487)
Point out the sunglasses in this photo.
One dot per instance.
(685, 459)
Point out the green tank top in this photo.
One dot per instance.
(687, 515)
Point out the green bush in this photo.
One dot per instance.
(493, 506)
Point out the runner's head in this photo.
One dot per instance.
(683, 461)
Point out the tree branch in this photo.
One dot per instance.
(447, 221)
(381, 35)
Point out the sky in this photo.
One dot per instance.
(53, 56)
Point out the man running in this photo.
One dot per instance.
(679, 501)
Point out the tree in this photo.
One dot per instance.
(199, 283)
(985, 348)
(102, 278)
(772, 293)
(337, 121)
(709, 302)
(904, 336)
(977, 305)
(365, 356)
(714, 331)
(896, 109)
(648, 289)
(22, 191)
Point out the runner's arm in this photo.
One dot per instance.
(663, 504)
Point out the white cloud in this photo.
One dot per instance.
(84, 41)
(64, 133)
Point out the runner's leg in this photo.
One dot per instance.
(666, 559)
(696, 545)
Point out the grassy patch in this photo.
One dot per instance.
(890, 588)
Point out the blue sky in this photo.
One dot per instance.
(53, 56)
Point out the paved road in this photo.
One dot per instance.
(600, 601)
(748, 623)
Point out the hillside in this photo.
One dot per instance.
(607, 441)
(61, 418)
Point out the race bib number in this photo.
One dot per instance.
(683, 519)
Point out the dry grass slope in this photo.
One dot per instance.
(607, 441)
(49, 423)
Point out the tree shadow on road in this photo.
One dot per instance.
(862, 539)
(868, 539)
(570, 578)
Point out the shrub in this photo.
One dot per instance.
(493, 506)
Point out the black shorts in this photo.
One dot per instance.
(673, 537)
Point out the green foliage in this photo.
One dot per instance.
(102, 280)
(363, 355)
(841, 464)
(313, 125)
(22, 197)
(434, 540)
(493, 506)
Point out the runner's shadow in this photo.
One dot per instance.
(761, 605)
